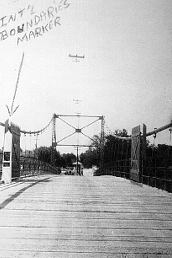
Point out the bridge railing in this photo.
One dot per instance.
(150, 164)
(157, 170)
(159, 177)
(119, 168)
(117, 156)
(30, 166)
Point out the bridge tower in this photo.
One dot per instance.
(78, 131)
(53, 138)
(102, 140)
(138, 152)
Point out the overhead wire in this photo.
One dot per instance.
(38, 131)
(117, 136)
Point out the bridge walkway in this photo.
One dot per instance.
(73, 216)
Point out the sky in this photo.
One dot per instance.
(126, 74)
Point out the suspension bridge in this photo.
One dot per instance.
(122, 205)
(124, 210)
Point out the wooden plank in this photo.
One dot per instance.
(71, 216)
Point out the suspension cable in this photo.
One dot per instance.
(127, 138)
(39, 131)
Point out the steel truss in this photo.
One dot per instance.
(79, 131)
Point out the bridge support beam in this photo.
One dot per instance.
(135, 154)
(11, 153)
(53, 147)
(102, 140)
(138, 152)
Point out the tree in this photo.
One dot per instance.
(68, 159)
(90, 158)
(114, 149)
(121, 133)
(44, 154)
(58, 159)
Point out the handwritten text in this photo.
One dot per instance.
(35, 26)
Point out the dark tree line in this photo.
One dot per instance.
(158, 155)
(117, 149)
(114, 148)
(60, 160)
(90, 158)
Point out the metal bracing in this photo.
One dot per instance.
(86, 126)
(87, 136)
(78, 115)
(77, 130)
(64, 138)
(75, 145)
(66, 123)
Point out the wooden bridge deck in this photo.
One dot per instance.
(72, 216)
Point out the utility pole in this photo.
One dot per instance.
(77, 102)
(77, 167)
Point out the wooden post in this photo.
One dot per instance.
(135, 154)
(143, 152)
(11, 153)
